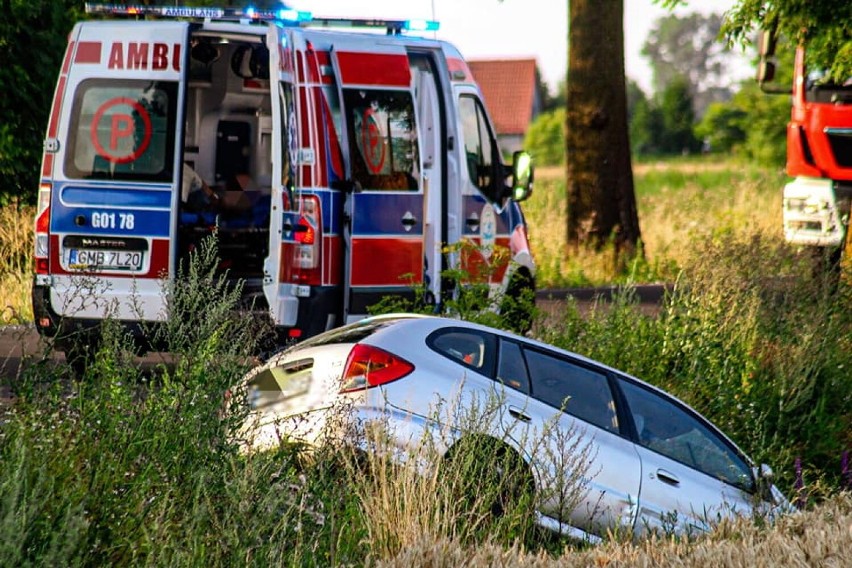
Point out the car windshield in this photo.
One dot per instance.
(821, 89)
(352, 333)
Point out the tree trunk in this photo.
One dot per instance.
(600, 199)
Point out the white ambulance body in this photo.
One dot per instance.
(337, 166)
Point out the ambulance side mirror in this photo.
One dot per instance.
(522, 175)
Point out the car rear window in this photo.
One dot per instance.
(467, 347)
(352, 333)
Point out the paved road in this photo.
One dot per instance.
(21, 345)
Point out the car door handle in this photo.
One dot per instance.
(472, 221)
(409, 220)
(519, 414)
(668, 477)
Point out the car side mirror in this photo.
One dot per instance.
(522, 175)
(763, 478)
(765, 71)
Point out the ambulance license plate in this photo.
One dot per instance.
(99, 260)
(104, 254)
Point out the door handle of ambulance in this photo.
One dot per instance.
(668, 477)
(519, 414)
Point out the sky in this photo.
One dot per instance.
(488, 29)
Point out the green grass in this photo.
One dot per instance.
(126, 468)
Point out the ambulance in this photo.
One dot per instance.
(336, 167)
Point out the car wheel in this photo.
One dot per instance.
(489, 477)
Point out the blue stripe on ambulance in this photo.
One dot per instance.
(130, 210)
(474, 204)
(381, 214)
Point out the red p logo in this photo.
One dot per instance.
(121, 126)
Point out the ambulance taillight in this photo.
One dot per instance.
(42, 230)
(308, 236)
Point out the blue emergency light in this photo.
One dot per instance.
(286, 16)
(421, 25)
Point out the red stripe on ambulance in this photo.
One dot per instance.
(473, 262)
(385, 69)
(332, 254)
(395, 262)
(88, 52)
(66, 63)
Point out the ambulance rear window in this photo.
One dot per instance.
(122, 129)
(382, 138)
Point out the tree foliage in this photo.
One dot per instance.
(824, 25)
(545, 139)
(678, 118)
(722, 127)
(33, 35)
(646, 128)
(689, 48)
(753, 124)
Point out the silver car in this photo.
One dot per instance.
(649, 462)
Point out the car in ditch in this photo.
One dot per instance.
(648, 461)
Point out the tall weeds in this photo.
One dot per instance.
(16, 250)
(137, 467)
(750, 337)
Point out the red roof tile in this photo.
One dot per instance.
(508, 86)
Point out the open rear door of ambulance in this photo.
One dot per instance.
(385, 206)
(116, 170)
(283, 303)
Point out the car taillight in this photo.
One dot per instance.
(308, 237)
(369, 366)
(42, 229)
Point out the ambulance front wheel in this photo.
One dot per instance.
(518, 304)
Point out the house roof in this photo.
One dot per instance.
(508, 86)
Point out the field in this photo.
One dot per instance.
(127, 468)
(16, 246)
(679, 202)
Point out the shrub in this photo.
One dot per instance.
(752, 340)
(545, 139)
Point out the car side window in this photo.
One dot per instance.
(511, 368)
(671, 430)
(577, 390)
(467, 347)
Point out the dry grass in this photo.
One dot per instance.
(16, 246)
(815, 538)
(678, 202)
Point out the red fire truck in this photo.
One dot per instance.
(335, 167)
(816, 204)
